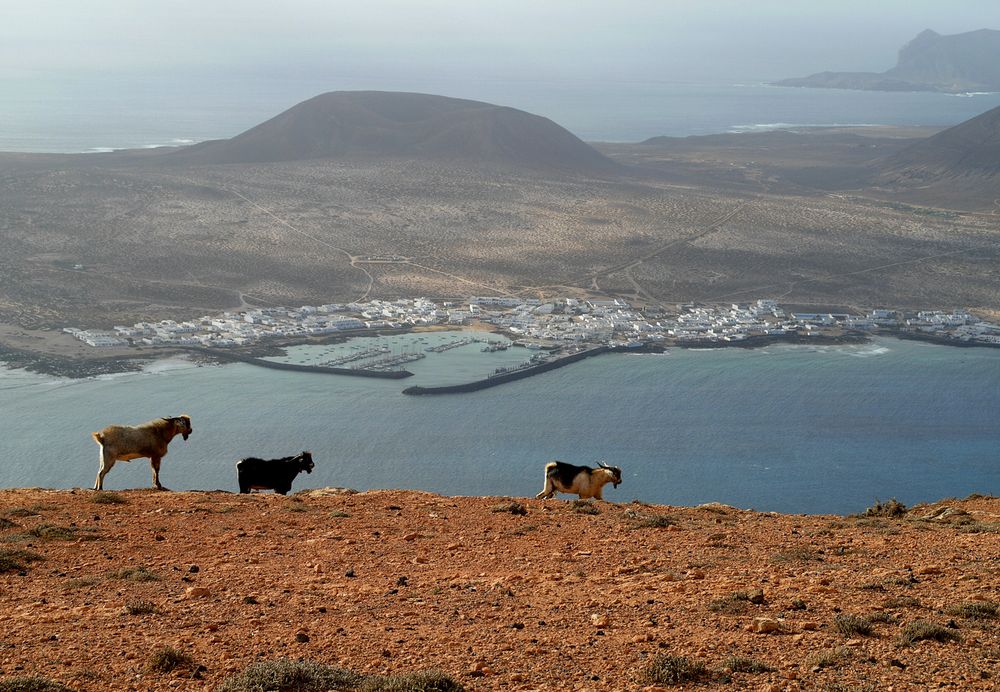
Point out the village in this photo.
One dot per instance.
(553, 323)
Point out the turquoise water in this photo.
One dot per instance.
(90, 113)
(795, 429)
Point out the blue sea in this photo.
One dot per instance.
(74, 114)
(795, 429)
(805, 429)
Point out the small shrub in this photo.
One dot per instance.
(81, 582)
(925, 629)
(800, 554)
(872, 586)
(829, 658)
(883, 617)
(427, 681)
(980, 527)
(649, 520)
(16, 560)
(21, 512)
(140, 608)
(167, 658)
(51, 532)
(742, 664)
(339, 514)
(31, 684)
(139, 573)
(975, 611)
(666, 669)
(584, 507)
(902, 602)
(731, 604)
(285, 675)
(510, 507)
(6, 524)
(102, 497)
(524, 530)
(852, 625)
(892, 509)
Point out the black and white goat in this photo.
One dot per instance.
(584, 481)
(276, 474)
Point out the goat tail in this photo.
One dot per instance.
(98, 438)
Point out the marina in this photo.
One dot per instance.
(441, 348)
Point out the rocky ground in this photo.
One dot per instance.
(497, 594)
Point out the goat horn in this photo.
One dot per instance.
(601, 463)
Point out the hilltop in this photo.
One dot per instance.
(345, 124)
(496, 593)
(930, 62)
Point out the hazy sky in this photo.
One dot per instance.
(688, 40)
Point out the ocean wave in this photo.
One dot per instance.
(971, 94)
(765, 127)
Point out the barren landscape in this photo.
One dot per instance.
(92, 244)
(109, 590)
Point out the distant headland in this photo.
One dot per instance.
(959, 63)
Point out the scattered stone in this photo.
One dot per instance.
(600, 620)
(301, 637)
(197, 592)
(756, 596)
(767, 626)
(350, 573)
(193, 569)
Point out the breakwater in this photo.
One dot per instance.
(295, 367)
(510, 376)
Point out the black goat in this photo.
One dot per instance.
(276, 474)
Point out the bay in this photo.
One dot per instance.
(786, 428)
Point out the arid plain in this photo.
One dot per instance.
(94, 240)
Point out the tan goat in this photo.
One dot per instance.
(127, 442)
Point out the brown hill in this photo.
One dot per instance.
(561, 596)
(396, 124)
(956, 168)
(968, 149)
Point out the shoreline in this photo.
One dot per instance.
(70, 367)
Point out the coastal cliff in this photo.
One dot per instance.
(953, 64)
(182, 591)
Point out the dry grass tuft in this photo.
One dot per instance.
(666, 669)
(16, 560)
(852, 625)
(920, 630)
(516, 508)
(103, 497)
(167, 659)
(32, 684)
(891, 509)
